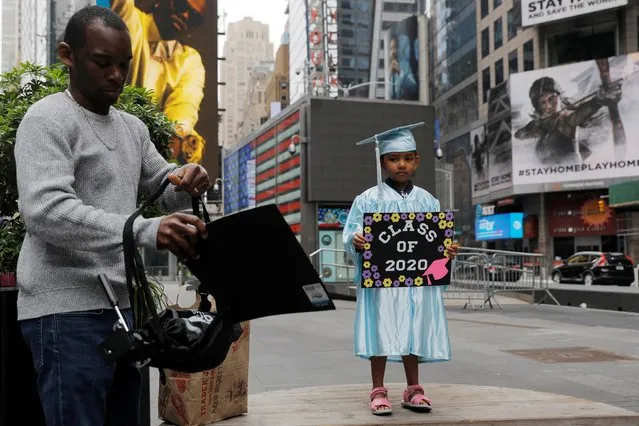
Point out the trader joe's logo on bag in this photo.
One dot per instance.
(407, 249)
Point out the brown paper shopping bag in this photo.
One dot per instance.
(194, 399)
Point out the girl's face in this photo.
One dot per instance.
(400, 166)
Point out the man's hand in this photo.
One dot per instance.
(359, 241)
(191, 178)
(179, 232)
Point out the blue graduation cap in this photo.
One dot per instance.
(399, 139)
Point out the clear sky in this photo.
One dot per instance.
(270, 12)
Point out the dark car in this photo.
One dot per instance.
(593, 267)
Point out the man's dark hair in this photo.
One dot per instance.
(74, 33)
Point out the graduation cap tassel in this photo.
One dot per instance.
(379, 168)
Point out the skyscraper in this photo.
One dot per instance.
(246, 45)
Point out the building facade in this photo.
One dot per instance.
(247, 44)
(386, 13)
(277, 87)
(256, 107)
(9, 46)
(529, 58)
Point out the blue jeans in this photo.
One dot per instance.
(76, 385)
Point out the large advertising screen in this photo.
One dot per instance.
(576, 122)
(534, 12)
(401, 54)
(173, 56)
(500, 227)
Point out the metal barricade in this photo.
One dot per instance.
(483, 273)
(476, 274)
(333, 265)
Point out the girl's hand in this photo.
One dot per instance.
(359, 241)
(452, 250)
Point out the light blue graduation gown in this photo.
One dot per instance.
(396, 321)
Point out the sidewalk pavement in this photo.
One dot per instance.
(572, 351)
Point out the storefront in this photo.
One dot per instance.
(500, 225)
(582, 221)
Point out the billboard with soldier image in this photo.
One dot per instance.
(574, 122)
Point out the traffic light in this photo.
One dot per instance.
(601, 206)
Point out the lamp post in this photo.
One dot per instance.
(449, 178)
(217, 187)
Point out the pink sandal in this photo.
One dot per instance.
(414, 399)
(377, 402)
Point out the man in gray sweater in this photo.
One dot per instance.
(80, 166)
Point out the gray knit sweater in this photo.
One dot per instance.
(79, 174)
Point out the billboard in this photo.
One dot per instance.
(479, 162)
(173, 56)
(499, 227)
(534, 12)
(498, 139)
(574, 123)
(401, 54)
(336, 169)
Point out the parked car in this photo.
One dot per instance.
(594, 267)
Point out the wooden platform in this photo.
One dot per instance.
(453, 405)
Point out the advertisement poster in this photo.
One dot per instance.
(401, 51)
(534, 12)
(498, 138)
(171, 47)
(576, 122)
(407, 249)
(479, 162)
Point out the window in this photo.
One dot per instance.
(485, 84)
(496, 4)
(485, 43)
(498, 33)
(529, 56)
(499, 71)
(512, 62)
(512, 24)
(484, 8)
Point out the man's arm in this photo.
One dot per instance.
(154, 170)
(48, 203)
(183, 104)
(530, 130)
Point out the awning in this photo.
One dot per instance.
(624, 195)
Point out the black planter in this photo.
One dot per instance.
(19, 397)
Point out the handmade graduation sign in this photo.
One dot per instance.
(407, 249)
(253, 264)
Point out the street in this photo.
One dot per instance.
(585, 353)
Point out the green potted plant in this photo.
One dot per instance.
(19, 89)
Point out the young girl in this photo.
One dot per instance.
(396, 324)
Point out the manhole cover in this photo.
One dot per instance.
(565, 355)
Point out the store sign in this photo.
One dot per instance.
(488, 210)
(534, 12)
(580, 215)
(500, 227)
